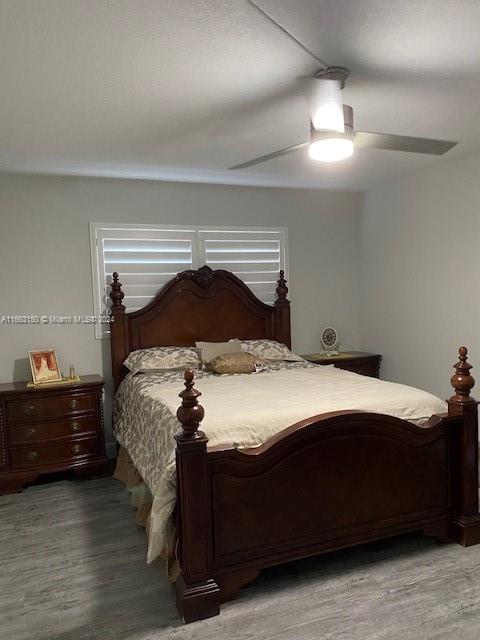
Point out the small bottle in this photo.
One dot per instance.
(72, 372)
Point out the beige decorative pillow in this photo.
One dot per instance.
(210, 350)
(234, 363)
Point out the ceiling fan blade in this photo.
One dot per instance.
(270, 156)
(365, 140)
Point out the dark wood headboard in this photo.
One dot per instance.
(196, 305)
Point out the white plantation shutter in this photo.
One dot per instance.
(147, 257)
(255, 257)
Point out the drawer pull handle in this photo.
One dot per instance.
(76, 448)
(73, 403)
(75, 426)
(28, 409)
(31, 432)
(32, 456)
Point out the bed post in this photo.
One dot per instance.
(465, 464)
(117, 329)
(198, 595)
(282, 312)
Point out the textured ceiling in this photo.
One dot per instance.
(183, 89)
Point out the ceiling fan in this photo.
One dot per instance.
(332, 133)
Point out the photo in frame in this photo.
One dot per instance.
(44, 365)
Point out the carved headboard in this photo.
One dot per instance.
(196, 305)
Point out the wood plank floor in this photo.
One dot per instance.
(72, 567)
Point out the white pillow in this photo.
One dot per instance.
(210, 350)
(269, 350)
(163, 358)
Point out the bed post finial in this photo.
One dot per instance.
(198, 595)
(282, 288)
(118, 330)
(282, 312)
(466, 526)
(190, 413)
(462, 381)
(116, 293)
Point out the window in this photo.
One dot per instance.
(148, 256)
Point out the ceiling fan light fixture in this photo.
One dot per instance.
(326, 106)
(331, 149)
(332, 134)
(332, 146)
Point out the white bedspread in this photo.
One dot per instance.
(244, 411)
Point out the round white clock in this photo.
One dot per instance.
(330, 340)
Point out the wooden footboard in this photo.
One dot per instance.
(330, 481)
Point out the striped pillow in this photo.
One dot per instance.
(210, 350)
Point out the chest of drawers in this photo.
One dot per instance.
(50, 429)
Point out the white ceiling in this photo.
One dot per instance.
(182, 89)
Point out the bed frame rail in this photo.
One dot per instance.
(327, 482)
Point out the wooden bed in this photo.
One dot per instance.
(330, 481)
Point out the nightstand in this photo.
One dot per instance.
(49, 429)
(367, 364)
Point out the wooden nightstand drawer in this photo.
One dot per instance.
(44, 431)
(34, 456)
(364, 369)
(49, 429)
(49, 407)
(366, 364)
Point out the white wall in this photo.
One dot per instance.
(396, 270)
(45, 264)
(421, 273)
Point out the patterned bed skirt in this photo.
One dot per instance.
(141, 499)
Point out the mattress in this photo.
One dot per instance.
(242, 410)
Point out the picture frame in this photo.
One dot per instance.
(44, 366)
